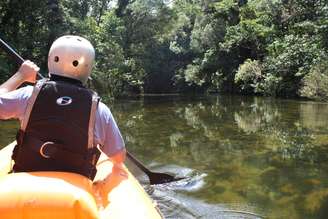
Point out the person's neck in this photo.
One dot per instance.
(65, 79)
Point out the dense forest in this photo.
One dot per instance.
(261, 47)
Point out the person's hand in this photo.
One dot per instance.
(28, 71)
(118, 169)
(102, 187)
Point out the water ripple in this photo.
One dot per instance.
(175, 205)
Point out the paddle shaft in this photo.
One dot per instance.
(138, 163)
(155, 178)
(12, 53)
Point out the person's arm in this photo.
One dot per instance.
(108, 135)
(111, 143)
(118, 160)
(114, 178)
(26, 73)
(118, 157)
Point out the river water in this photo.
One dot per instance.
(243, 157)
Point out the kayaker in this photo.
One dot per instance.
(62, 123)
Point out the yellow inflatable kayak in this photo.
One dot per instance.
(61, 195)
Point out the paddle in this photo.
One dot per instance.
(154, 178)
(12, 53)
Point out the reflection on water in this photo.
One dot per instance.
(313, 116)
(244, 157)
(249, 157)
(254, 116)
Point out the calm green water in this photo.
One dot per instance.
(244, 157)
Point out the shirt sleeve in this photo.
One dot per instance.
(13, 104)
(107, 133)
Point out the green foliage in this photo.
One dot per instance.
(158, 46)
(4, 67)
(249, 75)
(191, 75)
(249, 36)
(228, 9)
(271, 85)
(290, 59)
(315, 84)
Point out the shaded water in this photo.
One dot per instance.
(244, 157)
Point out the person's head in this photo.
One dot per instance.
(71, 56)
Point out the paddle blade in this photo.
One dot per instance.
(160, 178)
(154, 178)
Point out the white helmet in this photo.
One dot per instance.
(71, 56)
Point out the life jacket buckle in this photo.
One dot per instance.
(42, 150)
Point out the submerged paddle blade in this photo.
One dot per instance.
(154, 178)
(160, 178)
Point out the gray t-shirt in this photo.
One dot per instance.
(106, 133)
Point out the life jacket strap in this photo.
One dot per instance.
(56, 152)
(52, 150)
(92, 120)
(31, 102)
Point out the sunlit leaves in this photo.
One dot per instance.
(181, 45)
(316, 82)
(249, 75)
(290, 59)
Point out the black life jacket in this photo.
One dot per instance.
(57, 131)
